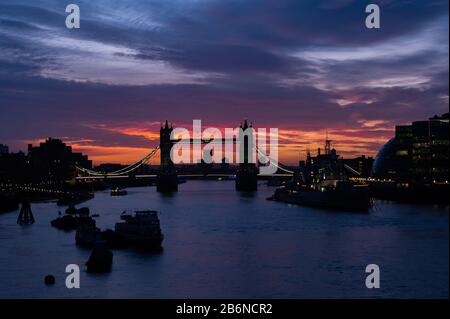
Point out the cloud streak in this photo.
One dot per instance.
(302, 66)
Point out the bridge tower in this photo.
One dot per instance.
(167, 180)
(247, 175)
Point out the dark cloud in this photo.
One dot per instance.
(229, 58)
(307, 65)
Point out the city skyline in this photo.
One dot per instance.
(305, 67)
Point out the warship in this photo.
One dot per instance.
(323, 181)
(342, 196)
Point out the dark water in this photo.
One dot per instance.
(220, 244)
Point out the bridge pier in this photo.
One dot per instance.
(167, 179)
(247, 180)
(25, 215)
(167, 183)
(247, 175)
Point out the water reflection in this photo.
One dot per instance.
(220, 243)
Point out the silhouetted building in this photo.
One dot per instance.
(14, 167)
(225, 165)
(208, 168)
(361, 164)
(418, 153)
(109, 167)
(204, 167)
(329, 164)
(54, 160)
(4, 149)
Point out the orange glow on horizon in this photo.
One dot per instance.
(111, 154)
(366, 138)
(293, 145)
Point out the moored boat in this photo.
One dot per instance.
(140, 229)
(88, 236)
(73, 219)
(69, 222)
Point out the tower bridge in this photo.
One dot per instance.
(167, 178)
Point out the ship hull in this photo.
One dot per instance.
(142, 242)
(139, 236)
(354, 200)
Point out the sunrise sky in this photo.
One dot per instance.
(303, 67)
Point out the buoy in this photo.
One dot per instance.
(49, 280)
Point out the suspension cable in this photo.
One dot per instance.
(121, 171)
(273, 162)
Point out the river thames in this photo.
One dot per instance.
(223, 244)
